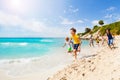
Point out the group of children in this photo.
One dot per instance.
(74, 41)
(109, 38)
(91, 41)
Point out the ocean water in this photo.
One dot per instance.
(14, 48)
(46, 56)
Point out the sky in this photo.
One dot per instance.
(54, 18)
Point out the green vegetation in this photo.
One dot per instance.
(115, 28)
(87, 30)
(95, 29)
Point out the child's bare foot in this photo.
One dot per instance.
(75, 60)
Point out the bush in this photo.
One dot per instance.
(87, 30)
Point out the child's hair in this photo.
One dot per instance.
(108, 30)
(73, 29)
(67, 38)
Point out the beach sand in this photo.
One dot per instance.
(99, 63)
(105, 65)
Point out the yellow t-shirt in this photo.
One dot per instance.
(75, 39)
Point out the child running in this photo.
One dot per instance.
(76, 42)
(91, 41)
(110, 38)
(97, 40)
(69, 44)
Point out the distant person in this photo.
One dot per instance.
(97, 40)
(91, 41)
(69, 44)
(103, 40)
(110, 38)
(76, 42)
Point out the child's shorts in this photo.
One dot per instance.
(76, 46)
(110, 41)
(69, 49)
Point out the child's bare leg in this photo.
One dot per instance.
(75, 54)
(113, 45)
(92, 44)
(110, 47)
(70, 51)
(78, 49)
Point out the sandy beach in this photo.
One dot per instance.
(105, 65)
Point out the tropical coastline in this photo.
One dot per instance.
(44, 68)
(59, 40)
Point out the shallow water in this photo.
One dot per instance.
(14, 48)
(44, 56)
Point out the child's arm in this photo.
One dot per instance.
(64, 45)
(79, 38)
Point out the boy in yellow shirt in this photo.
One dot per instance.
(76, 41)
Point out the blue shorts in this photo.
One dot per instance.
(76, 46)
(110, 41)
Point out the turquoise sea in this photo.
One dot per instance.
(12, 48)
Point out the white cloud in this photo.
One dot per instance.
(7, 19)
(71, 6)
(35, 26)
(12, 20)
(111, 8)
(75, 10)
(71, 9)
(64, 11)
(109, 16)
(116, 17)
(80, 21)
(86, 20)
(66, 21)
(95, 22)
(112, 17)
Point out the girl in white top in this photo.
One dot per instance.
(69, 44)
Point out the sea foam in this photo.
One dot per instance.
(14, 44)
(46, 40)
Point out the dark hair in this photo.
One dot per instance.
(108, 29)
(73, 29)
(67, 38)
